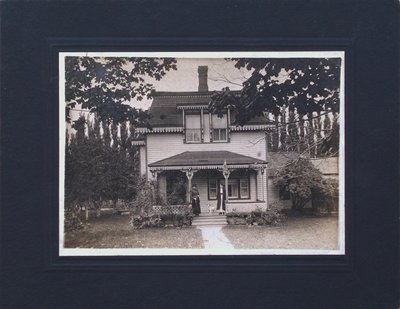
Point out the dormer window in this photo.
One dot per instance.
(200, 126)
(220, 128)
(193, 128)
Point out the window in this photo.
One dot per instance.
(193, 128)
(220, 128)
(238, 188)
(212, 188)
(219, 134)
(233, 188)
(244, 188)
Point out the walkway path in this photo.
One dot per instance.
(214, 238)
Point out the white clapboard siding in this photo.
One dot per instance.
(206, 128)
(162, 146)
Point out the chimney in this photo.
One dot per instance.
(203, 86)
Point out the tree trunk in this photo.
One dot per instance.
(301, 135)
(318, 133)
(276, 134)
(310, 135)
(98, 208)
(283, 132)
(87, 209)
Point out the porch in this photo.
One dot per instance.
(243, 177)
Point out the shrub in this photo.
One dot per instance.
(271, 216)
(160, 220)
(147, 220)
(73, 218)
(304, 182)
(177, 220)
(326, 198)
(145, 198)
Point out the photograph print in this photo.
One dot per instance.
(201, 153)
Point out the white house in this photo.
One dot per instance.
(189, 144)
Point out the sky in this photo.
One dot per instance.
(221, 73)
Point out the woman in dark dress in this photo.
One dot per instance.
(221, 197)
(195, 198)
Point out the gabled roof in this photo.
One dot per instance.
(164, 110)
(327, 166)
(198, 158)
(277, 160)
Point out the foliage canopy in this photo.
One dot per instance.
(106, 85)
(303, 84)
(99, 166)
(304, 181)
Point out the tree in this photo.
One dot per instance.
(307, 85)
(105, 85)
(98, 168)
(303, 181)
(285, 88)
(85, 169)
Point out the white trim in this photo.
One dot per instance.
(192, 107)
(164, 251)
(251, 127)
(138, 143)
(213, 54)
(204, 251)
(205, 167)
(160, 130)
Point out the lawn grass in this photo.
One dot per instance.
(297, 233)
(114, 231)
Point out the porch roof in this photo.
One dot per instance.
(207, 158)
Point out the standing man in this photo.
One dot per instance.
(221, 197)
(195, 198)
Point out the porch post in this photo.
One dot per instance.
(226, 173)
(260, 168)
(189, 175)
(264, 195)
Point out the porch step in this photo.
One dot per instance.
(206, 219)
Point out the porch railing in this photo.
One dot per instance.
(172, 209)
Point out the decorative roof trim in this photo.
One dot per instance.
(192, 107)
(183, 94)
(206, 167)
(160, 130)
(139, 143)
(253, 127)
